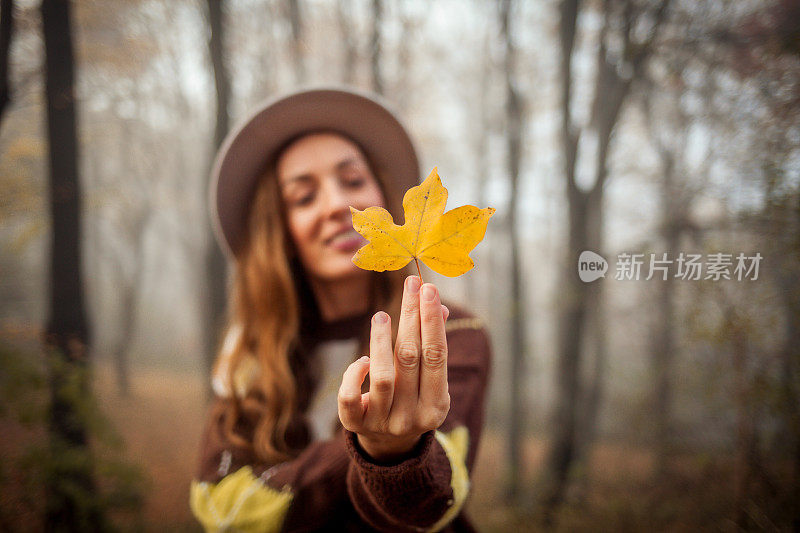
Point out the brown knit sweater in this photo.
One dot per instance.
(332, 484)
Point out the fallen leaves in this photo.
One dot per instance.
(440, 240)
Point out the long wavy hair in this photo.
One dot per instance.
(271, 309)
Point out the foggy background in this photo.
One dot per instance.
(615, 404)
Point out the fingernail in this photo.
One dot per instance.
(428, 292)
(381, 317)
(445, 312)
(413, 283)
(363, 359)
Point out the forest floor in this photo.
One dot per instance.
(160, 423)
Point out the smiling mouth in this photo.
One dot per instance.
(346, 240)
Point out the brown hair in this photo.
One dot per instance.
(272, 306)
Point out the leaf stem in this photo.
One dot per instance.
(416, 262)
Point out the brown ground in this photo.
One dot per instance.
(161, 423)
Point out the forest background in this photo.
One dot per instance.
(641, 130)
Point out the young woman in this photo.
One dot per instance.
(345, 399)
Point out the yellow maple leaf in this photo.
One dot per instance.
(440, 240)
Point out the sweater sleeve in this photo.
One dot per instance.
(427, 490)
(235, 491)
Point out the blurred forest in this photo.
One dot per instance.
(618, 126)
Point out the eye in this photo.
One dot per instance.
(353, 181)
(299, 197)
(303, 200)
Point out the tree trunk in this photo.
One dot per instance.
(344, 15)
(70, 485)
(298, 54)
(6, 31)
(664, 335)
(477, 290)
(572, 325)
(221, 79)
(402, 85)
(595, 394)
(133, 228)
(514, 118)
(130, 300)
(745, 420)
(791, 371)
(571, 321)
(216, 268)
(122, 346)
(786, 246)
(375, 47)
(585, 220)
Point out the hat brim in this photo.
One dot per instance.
(246, 151)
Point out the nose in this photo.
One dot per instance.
(337, 200)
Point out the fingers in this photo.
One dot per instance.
(381, 368)
(434, 400)
(407, 350)
(408, 384)
(351, 408)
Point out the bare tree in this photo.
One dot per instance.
(70, 485)
(375, 47)
(764, 49)
(476, 287)
(784, 219)
(612, 84)
(514, 129)
(758, 48)
(125, 242)
(295, 15)
(131, 230)
(344, 14)
(6, 31)
(216, 269)
(673, 223)
(787, 215)
(216, 46)
(401, 90)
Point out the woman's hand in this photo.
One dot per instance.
(408, 384)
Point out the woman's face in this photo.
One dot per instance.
(320, 176)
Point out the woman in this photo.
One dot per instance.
(306, 432)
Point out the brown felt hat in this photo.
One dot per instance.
(254, 143)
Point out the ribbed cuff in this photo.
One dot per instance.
(409, 495)
(415, 457)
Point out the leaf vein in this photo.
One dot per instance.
(456, 232)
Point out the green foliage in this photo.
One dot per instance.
(97, 479)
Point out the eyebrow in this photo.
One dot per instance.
(341, 165)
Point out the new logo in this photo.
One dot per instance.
(591, 266)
